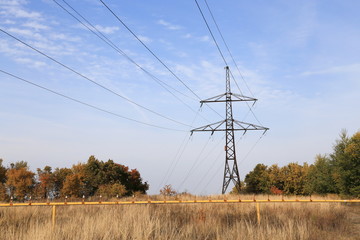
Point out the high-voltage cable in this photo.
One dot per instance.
(87, 104)
(92, 81)
(153, 54)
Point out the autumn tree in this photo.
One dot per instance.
(74, 184)
(168, 190)
(135, 183)
(111, 190)
(20, 180)
(295, 177)
(59, 177)
(46, 181)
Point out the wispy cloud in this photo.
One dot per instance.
(14, 8)
(352, 68)
(168, 25)
(204, 38)
(8, 22)
(305, 24)
(145, 39)
(25, 32)
(107, 29)
(64, 37)
(188, 35)
(31, 62)
(35, 25)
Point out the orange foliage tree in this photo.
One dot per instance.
(20, 180)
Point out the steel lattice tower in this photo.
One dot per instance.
(229, 125)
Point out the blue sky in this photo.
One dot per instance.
(301, 59)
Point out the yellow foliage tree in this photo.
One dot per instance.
(20, 182)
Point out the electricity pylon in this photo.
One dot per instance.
(229, 125)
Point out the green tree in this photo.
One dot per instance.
(320, 177)
(2, 181)
(258, 180)
(97, 173)
(276, 178)
(346, 158)
(2, 172)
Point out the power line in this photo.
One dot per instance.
(92, 81)
(86, 104)
(110, 43)
(222, 55)
(212, 35)
(153, 54)
(211, 165)
(222, 37)
(195, 162)
(250, 107)
(100, 35)
(176, 159)
(252, 148)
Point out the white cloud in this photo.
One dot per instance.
(64, 37)
(30, 62)
(352, 68)
(35, 25)
(107, 30)
(25, 32)
(204, 38)
(7, 21)
(12, 2)
(16, 11)
(168, 25)
(144, 39)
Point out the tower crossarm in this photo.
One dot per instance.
(218, 126)
(235, 98)
(248, 126)
(221, 126)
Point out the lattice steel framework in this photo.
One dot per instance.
(229, 125)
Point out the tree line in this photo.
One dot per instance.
(338, 173)
(94, 177)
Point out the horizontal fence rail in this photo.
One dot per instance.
(163, 202)
(176, 202)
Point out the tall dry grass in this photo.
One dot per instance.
(281, 221)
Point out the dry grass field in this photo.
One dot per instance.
(280, 221)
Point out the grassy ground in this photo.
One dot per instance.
(193, 221)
